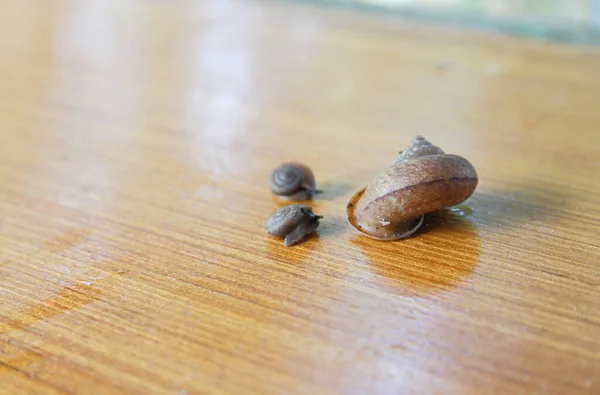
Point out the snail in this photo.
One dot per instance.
(292, 181)
(292, 222)
(421, 179)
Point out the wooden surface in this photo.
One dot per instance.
(136, 141)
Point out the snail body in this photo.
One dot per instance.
(292, 181)
(293, 223)
(422, 179)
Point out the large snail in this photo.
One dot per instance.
(422, 179)
(292, 222)
(292, 181)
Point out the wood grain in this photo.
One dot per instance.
(136, 138)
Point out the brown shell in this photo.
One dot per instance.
(418, 147)
(292, 181)
(391, 206)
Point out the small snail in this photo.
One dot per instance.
(292, 222)
(422, 179)
(292, 181)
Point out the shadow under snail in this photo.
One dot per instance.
(292, 181)
(421, 179)
(292, 222)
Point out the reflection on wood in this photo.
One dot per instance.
(136, 139)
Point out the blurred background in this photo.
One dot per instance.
(564, 20)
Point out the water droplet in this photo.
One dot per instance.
(456, 211)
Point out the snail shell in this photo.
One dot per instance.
(422, 179)
(292, 222)
(292, 181)
(418, 147)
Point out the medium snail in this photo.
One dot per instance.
(292, 222)
(292, 181)
(422, 179)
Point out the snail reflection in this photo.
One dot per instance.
(441, 256)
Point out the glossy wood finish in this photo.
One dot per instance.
(136, 141)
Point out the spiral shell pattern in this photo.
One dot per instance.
(292, 181)
(418, 147)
